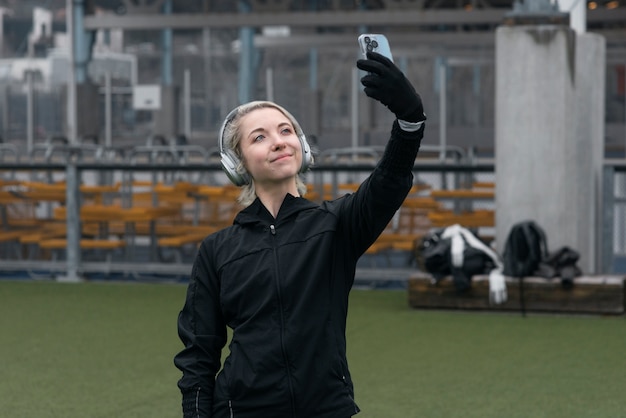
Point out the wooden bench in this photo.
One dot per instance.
(589, 294)
(37, 236)
(10, 235)
(394, 241)
(191, 236)
(471, 194)
(474, 219)
(463, 213)
(409, 224)
(483, 185)
(143, 228)
(178, 243)
(217, 205)
(85, 244)
(9, 240)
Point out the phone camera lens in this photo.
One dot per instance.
(374, 44)
(367, 40)
(369, 47)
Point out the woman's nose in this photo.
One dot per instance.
(278, 143)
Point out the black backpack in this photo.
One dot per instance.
(561, 263)
(525, 248)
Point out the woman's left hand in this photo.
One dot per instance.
(387, 84)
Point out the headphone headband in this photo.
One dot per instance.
(231, 115)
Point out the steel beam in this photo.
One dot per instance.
(324, 19)
(414, 44)
(295, 19)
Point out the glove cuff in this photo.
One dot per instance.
(414, 115)
(410, 126)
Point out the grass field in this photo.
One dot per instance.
(105, 350)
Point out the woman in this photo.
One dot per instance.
(280, 276)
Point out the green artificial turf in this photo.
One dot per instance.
(105, 350)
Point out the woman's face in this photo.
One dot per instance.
(270, 146)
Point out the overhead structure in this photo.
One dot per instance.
(414, 19)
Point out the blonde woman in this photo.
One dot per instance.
(280, 276)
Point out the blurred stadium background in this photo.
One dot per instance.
(126, 187)
(293, 58)
(152, 80)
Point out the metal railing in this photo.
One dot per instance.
(169, 163)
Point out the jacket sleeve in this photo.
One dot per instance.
(368, 211)
(202, 330)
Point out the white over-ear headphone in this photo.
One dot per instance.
(230, 161)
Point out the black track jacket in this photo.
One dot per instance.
(282, 285)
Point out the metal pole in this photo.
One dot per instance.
(187, 104)
(167, 48)
(206, 51)
(2, 13)
(269, 82)
(79, 43)
(246, 62)
(315, 125)
(71, 82)
(443, 120)
(133, 70)
(30, 120)
(5, 117)
(313, 66)
(442, 111)
(108, 136)
(72, 216)
(355, 109)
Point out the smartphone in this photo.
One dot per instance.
(375, 42)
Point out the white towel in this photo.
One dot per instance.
(458, 237)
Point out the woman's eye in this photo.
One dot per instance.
(286, 131)
(258, 138)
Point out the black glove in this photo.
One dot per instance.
(386, 83)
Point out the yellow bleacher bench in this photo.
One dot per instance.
(85, 244)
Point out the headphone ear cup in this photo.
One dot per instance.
(230, 162)
(307, 157)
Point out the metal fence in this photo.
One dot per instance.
(76, 167)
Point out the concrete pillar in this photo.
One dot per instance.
(549, 139)
(590, 99)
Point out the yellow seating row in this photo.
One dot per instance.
(421, 213)
(185, 213)
(106, 225)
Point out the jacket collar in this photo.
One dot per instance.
(256, 212)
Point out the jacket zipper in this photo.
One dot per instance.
(230, 409)
(282, 323)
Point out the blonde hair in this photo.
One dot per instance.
(232, 138)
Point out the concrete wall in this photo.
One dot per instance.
(548, 139)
